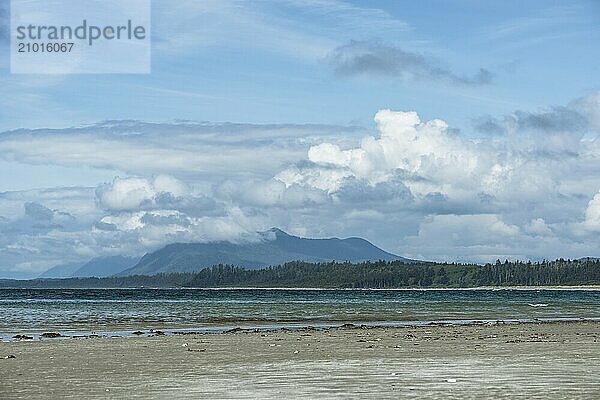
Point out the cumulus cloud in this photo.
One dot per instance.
(476, 230)
(356, 191)
(154, 212)
(134, 193)
(538, 227)
(431, 160)
(426, 155)
(125, 194)
(459, 237)
(558, 130)
(592, 214)
(376, 58)
(417, 188)
(522, 192)
(271, 193)
(148, 230)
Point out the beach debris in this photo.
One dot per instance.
(159, 333)
(296, 352)
(184, 345)
(10, 356)
(22, 337)
(233, 330)
(451, 380)
(197, 350)
(50, 335)
(538, 305)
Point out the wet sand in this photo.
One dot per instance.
(543, 360)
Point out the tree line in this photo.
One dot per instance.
(372, 274)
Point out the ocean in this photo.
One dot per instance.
(121, 311)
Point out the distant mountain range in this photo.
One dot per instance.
(98, 267)
(276, 247)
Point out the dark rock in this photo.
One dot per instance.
(22, 337)
(50, 335)
(137, 333)
(197, 350)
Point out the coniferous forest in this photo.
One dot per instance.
(375, 275)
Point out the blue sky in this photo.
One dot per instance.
(515, 82)
(267, 62)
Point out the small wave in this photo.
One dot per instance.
(538, 305)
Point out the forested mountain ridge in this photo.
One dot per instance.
(277, 248)
(375, 275)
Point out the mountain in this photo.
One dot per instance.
(104, 266)
(277, 247)
(98, 267)
(61, 271)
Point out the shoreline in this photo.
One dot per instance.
(476, 288)
(530, 360)
(158, 330)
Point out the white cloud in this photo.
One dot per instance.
(592, 214)
(482, 237)
(169, 184)
(203, 151)
(538, 227)
(457, 230)
(133, 193)
(271, 193)
(520, 192)
(125, 194)
(519, 167)
(416, 188)
(440, 160)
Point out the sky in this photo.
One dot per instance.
(448, 131)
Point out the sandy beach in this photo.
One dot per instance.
(544, 360)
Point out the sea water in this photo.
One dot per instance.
(113, 311)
